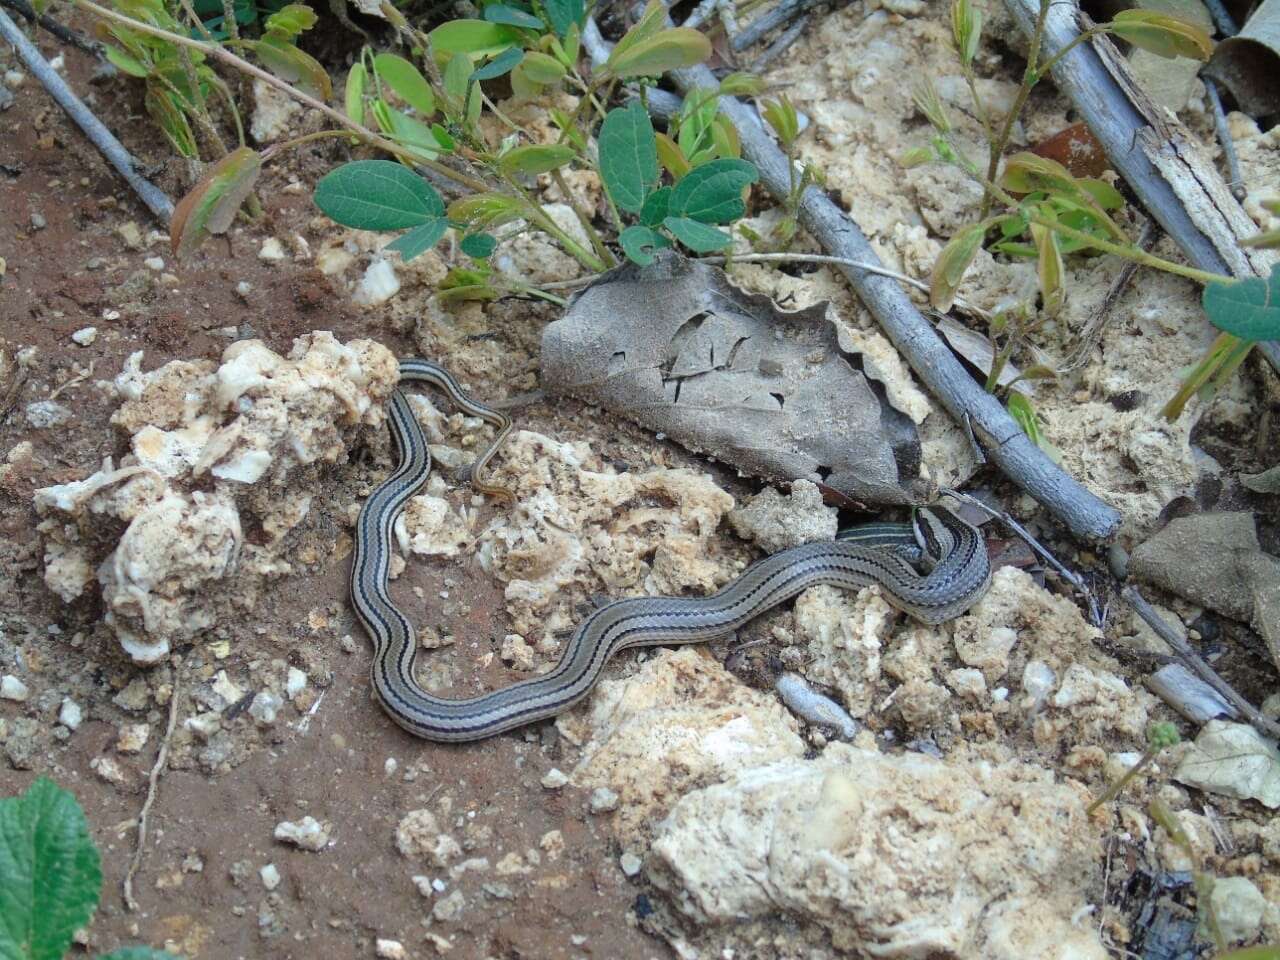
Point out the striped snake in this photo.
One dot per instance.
(950, 550)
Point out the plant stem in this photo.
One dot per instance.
(1130, 252)
(229, 58)
(596, 243)
(1121, 782)
(548, 225)
(1030, 76)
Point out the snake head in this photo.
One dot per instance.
(933, 532)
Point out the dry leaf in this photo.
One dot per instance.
(677, 348)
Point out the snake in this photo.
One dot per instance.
(933, 569)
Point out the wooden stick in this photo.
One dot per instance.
(1157, 156)
(111, 148)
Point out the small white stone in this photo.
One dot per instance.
(555, 779)
(133, 737)
(450, 907)
(424, 885)
(630, 863)
(295, 683)
(70, 715)
(378, 285)
(439, 886)
(154, 263)
(58, 63)
(308, 833)
(271, 250)
(603, 800)
(13, 79)
(1038, 680)
(1239, 907)
(264, 707)
(11, 688)
(390, 949)
(389, 766)
(110, 314)
(85, 336)
(204, 725)
(270, 876)
(243, 288)
(107, 769)
(226, 689)
(43, 414)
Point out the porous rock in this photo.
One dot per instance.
(902, 856)
(212, 447)
(680, 720)
(578, 523)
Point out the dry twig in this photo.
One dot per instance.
(153, 783)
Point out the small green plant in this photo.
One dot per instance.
(1160, 736)
(1048, 213)
(50, 876)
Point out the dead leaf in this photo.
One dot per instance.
(677, 348)
(1233, 759)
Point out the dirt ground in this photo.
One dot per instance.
(69, 235)
(63, 277)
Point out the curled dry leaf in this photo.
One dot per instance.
(211, 205)
(677, 348)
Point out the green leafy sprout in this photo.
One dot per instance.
(50, 876)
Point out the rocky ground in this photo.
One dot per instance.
(198, 581)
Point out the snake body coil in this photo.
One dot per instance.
(953, 552)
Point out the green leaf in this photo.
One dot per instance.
(446, 142)
(137, 953)
(457, 77)
(486, 210)
(126, 63)
(501, 13)
(671, 157)
(564, 14)
(211, 205)
(504, 62)
(478, 245)
(1162, 34)
(650, 24)
(671, 49)
(1049, 267)
(698, 237)
(162, 106)
(712, 192)
(1249, 308)
(52, 876)
(478, 38)
(404, 129)
(781, 115)
(1024, 413)
(542, 68)
(292, 65)
(655, 207)
(536, 158)
(639, 244)
(419, 239)
(628, 156)
(289, 21)
(408, 83)
(742, 85)
(353, 95)
(952, 262)
(377, 195)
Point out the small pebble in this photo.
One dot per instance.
(154, 263)
(44, 414)
(555, 779)
(133, 737)
(264, 707)
(85, 336)
(271, 250)
(389, 766)
(270, 876)
(603, 800)
(243, 288)
(295, 683)
(308, 833)
(390, 949)
(630, 863)
(38, 222)
(1118, 561)
(11, 688)
(70, 715)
